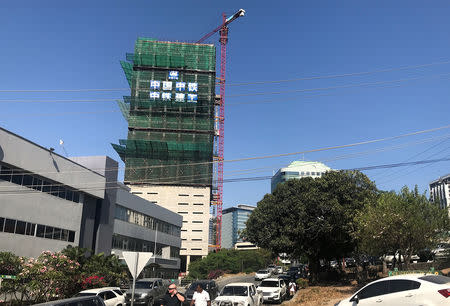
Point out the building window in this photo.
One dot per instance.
(40, 231)
(198, 213)
(184, 230)
(197, 221)
(199, 195)
(181, 204)
(20, 227)
(196, 239)
(183, 195)
(197, 231)
(196, 249)
(30, 229)
(29, 180)
(10, 226)
(152, 193)
(198, 204)
(136, 192)
(134, 217)
(183, 212)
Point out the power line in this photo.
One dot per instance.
(341, 75)
(245, 179)
(416, 155)
(242, 95)
(248, 170)
(337, 87)
(303, 152)
(247, 83)
(189, 178)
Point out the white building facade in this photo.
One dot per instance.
(440, 189)
(192, 203)
(298, 170)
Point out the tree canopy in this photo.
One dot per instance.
(405, 222)
(312, 217)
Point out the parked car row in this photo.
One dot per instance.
(242, 294)
(413, 289)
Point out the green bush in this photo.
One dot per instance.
(302, 283)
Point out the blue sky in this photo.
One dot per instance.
(78, 45)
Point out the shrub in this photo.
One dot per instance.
(215, 274)
(248, 270)
(302, 283)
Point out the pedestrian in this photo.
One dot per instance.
(200, 297)
(292, 288)
(173, 297)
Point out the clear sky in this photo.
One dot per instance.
(78, 45)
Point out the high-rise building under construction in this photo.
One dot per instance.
(168, 153)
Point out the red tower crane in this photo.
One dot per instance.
(219, 119)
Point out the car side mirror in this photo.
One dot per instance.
(355, 299)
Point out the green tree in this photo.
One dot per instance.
(405, 222)
(232, 261)
(311, 217)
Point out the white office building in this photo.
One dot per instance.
(440, 189)
(298, 169)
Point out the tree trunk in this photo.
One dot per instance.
(314, 268)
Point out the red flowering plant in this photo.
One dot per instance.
(93, 281)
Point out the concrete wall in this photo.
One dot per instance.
(40, 208)
(192, 203)
(108, 168)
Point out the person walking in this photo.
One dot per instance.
(292, 288)
(200, 297)
(173, 297)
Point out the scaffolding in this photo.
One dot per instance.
(170, 141)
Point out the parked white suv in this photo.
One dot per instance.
(239, 294)
(413, 289)
(111, 296)
(273, 289)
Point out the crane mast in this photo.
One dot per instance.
(217, 198)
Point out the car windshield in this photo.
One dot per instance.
(262, 272)
(436, 279)
(144, 285)
(266, 283)
(86, 294)
(193, 286)
(234, 291)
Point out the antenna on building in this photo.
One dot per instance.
(61, 143)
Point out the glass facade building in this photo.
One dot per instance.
(233, 222)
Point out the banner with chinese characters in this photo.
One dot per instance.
(184, 91)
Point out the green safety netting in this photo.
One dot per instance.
(168, 142)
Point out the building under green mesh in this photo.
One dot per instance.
(170, 135)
